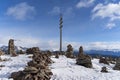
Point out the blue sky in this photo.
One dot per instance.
(91, 23)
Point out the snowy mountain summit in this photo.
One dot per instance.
(66, 69)
(63, 68)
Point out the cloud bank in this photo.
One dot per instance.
(21, 11)
(85, 3)
(110, 25)
(54, 45)
(111, 10)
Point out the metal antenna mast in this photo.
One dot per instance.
(61, 25)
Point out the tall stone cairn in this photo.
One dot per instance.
(69, 52)
(117, 65)
(80, 51)
(83, 59)
(37, 68)
(11, 48)
(1, 53)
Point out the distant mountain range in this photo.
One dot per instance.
(17, 48)
(112, 53)
(105, 52)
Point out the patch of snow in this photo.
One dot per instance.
(14, 64)
(66, 69)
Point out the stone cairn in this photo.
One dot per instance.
(69, 52)
(104, 69)
(117, 65)
(83, 59)
(29, 51)
(103, 60)
(11, 48)
(56, 55)
(21, 52)
(37, 69)
(1, 53)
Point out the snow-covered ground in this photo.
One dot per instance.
(63, 69)
(66, 69)
(12, 65)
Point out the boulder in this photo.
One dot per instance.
(104, 69)
(85, 61)
(17, 75)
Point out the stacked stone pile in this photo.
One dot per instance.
(103, 60)
(21, 52)
(11, 48)
(1, 53)
(117, 65)
(56, 55)
(69, 52)
(83, 59)
(29, 51)
(37, 69)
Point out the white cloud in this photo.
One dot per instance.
(85, 3)
(67, 12)
(110, 25)
(55, 10)
(21, 11)
(54, 45)
(20, 41)
(111, 10)
(105, 45)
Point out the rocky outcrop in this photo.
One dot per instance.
(104, 69)
(37, 69)
(83, 59)
(69, 52)
(11, 48)
(103, 60)
(117, 65)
